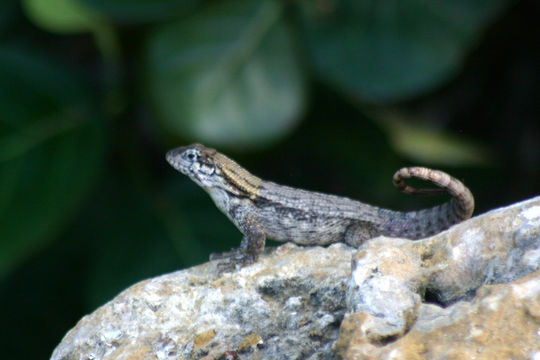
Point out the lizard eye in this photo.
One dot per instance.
(190, 155)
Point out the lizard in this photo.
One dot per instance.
(262, 209)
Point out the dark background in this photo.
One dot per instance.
(325, 95)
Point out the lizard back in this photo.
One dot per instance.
(301, 214)
(261, 209)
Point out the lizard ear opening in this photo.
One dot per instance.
(208, 169)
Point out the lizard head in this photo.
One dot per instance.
(212, 170)
(197, 162)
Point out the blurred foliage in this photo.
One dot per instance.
(392, 50)
(241, 85)
(140, 11)
(419, 142)
(7, 11)
(327, 95)
(62, 16)
(51, 144)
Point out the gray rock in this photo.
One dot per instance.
(391, 276)
(290, 304)
(286, 306)
(501, 322)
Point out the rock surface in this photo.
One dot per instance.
(291, 303)
(391, 276)
(286, 306)
(502, 322)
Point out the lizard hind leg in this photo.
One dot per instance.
(359, 231)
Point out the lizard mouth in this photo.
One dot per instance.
(175, 160)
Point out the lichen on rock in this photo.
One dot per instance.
(481, 279)
(501, 322)
(390, 277)
(286, 306)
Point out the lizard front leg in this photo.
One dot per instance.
(250, 248)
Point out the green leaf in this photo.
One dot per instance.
(61, 16)
(51, 144)
(140, 11)
(67, 17)
(393, 50)
(424, 144)
(228, 76)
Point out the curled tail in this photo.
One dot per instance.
(461, 195)
(426, 222)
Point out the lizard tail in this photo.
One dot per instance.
(461, 206)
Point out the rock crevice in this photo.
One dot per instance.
(310, 303)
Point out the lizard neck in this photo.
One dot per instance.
(237, 180)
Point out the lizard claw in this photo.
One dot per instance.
(223, 255)
(232, 260)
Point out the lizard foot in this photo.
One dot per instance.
(232, 260)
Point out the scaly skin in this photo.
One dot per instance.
(262, 209)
